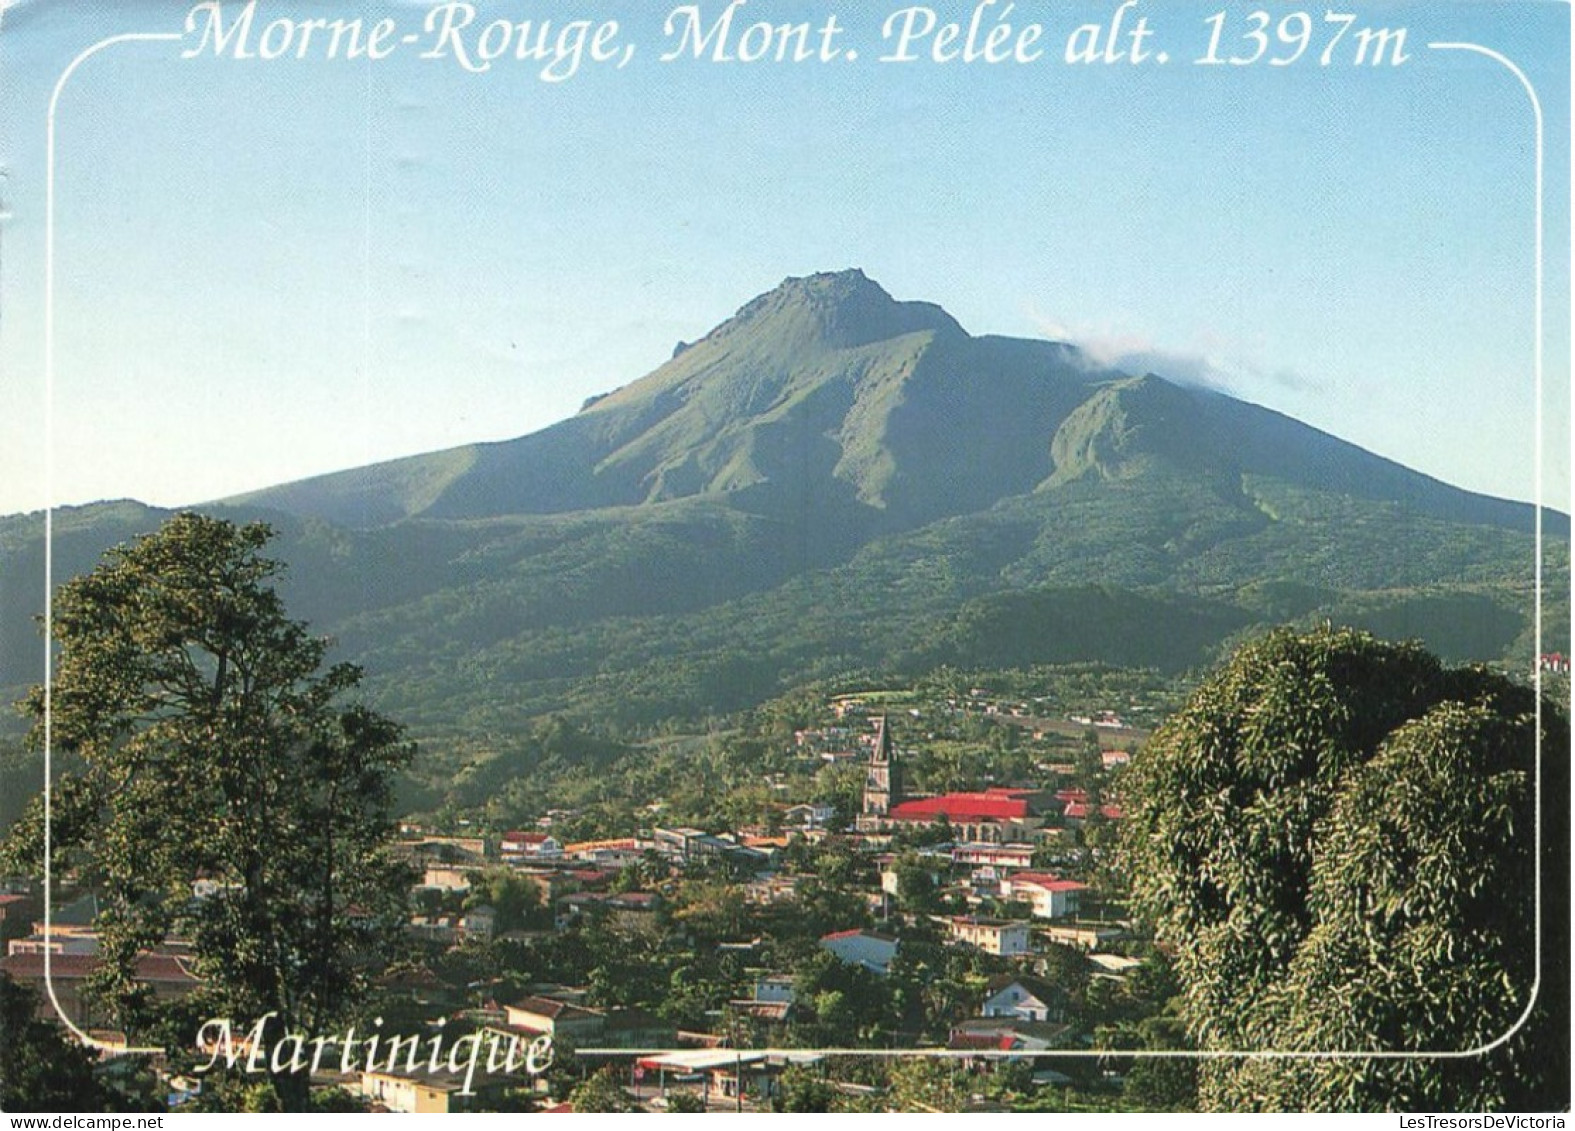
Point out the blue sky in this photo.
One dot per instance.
(266, 270)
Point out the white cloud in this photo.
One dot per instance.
(1210, 361)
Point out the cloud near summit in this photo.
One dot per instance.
(1210, 363)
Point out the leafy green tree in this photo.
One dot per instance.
(39, 1069)
(924, 1084)
(916, 886)
(685, 1103)
(602, 1091)
(799, 1089)
(1162, 1083)
(851, 1005)
(215, 748)
(1336, 839)
(1090, 776)
(515, 899)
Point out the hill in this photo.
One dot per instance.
(833, 482)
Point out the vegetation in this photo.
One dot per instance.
(1337, 839)
(801, 497)
(639, 616)
(40, 1069)
(602, 1092)
(227, 794)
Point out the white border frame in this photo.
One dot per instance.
(49, 508)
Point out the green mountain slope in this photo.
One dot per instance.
(833, 481)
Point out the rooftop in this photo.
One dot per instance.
(997, 805)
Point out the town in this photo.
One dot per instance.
(922, 869)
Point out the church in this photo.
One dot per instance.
(997, 815)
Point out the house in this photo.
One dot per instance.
(630, 910)
(869, 949)
(16, 913)
(688, 845)
(1003, 937)
(618, 852)
(479, 922)
(772, 846)
(521, 845)
(538, 1015)
(1082, 937)
(934, 867)
(422, 849)
(72, 930)
(1050, 896)
(1007, 1034)
(167, 975)
(746, 856)
(1113, 965)
(415, 984)
(774, 987)
(1078, 811)
(445, 878)
(1022, 997)
(772, 1001)
(425, 1092)
(998, 815)
(720, 1073)
(772, 889)
(807, 816)
(993, 855)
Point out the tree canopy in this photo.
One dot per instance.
(1337, 840)
(39, 1069)
(228, 796)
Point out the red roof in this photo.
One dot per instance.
(1078, 810)
(1047, 881)
(992, 805)
(553, 1008)
(858, 931)
(162, 968)
(518, 837)
(1004, 1042)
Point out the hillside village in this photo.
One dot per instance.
(680, 967)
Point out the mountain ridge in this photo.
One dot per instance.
(833, 481)
(830, 384)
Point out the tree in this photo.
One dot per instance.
(1336, 839)
(801, 1090)
(922, 1084)
(215, 748)
(916, 886)
(602, 1091)
(515, 899)
(1161, 1083)
(39, 1069)
(685, 1103)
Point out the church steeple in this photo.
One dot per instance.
(883, 779)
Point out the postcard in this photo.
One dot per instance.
(785, 555)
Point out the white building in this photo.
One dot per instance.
(518, 845)
(1004, 937)
(868, 949)
(1050, 896)
(1022, 997)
